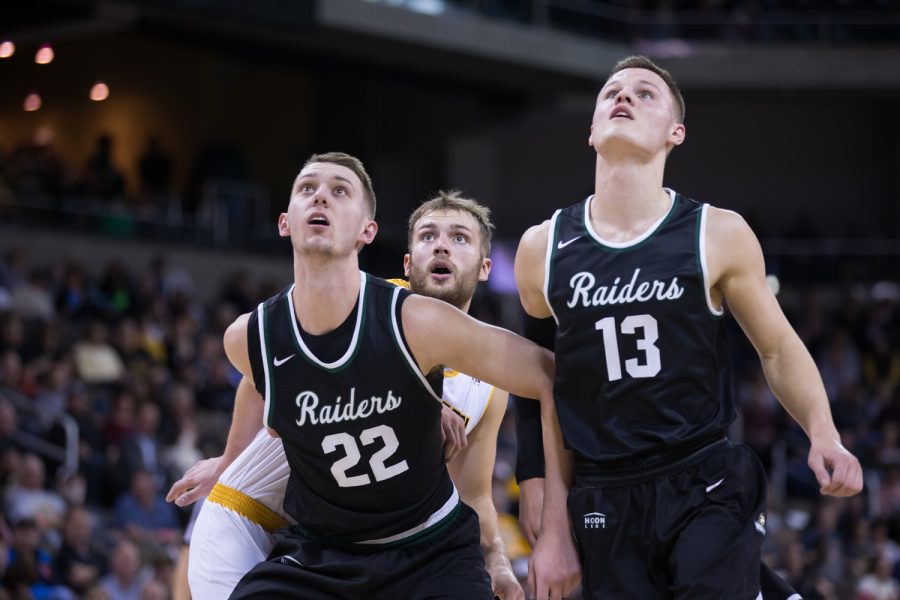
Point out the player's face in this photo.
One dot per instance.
(445, 259)
(635, 114)
(328, 212)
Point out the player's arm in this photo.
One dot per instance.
(530, 270)
(737, 273)
(472, 472)
(530, 446)
(245, 422)
(540, 329)
(508, 362)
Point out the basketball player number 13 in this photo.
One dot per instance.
(629, 326)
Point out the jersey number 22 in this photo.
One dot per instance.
(380, 470)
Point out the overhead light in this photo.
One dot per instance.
(99, 92)
(44, 55)
(32, 102)
(7, 49)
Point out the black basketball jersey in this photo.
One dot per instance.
(361, 428)
(642, 365)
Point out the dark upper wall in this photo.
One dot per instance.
(828, 157)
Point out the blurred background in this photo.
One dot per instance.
(147, 147)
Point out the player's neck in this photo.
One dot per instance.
(325, 293)
(628, 193)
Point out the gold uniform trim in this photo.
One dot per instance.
(399, 283)
(247, 507)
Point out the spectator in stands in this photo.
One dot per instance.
(140, 451)
(96, 361)
(878, 583)
(78, 562)
(155, 169)
(26, 498)
(29, 572)
(102, 179)
(144, 515)
(31, 298)
(127, 577)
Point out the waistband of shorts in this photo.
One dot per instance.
(438, 523)
(248, 507)
(594, 474)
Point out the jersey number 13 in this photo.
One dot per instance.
(646, 344)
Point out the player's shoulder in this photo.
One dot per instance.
(725, 224)
(535, 237)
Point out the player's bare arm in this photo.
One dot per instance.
(489, 353)
(472, 472)
(529, 269)
(245, 423)
(509, 362)
(737, 276)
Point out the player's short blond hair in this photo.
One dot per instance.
(454, 200)
(642, 62)
(355, 165)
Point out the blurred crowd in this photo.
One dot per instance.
(213, 193)
(734, 21)
(111, 385)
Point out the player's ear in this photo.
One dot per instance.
(406, 263)
(284, 229)
(591, 136)
(485, 271)
(367, 235)
(676, 136)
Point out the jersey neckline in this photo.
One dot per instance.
(354, 341)
(633, 242)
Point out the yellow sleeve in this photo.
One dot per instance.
(399, 282)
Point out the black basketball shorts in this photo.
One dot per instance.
(446, 564)
(693, 531)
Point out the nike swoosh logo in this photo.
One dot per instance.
(714, 486)
(562, 245)
(278, 362)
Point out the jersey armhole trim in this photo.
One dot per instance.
(264, 354)
(401, 344)
(704, 268)
(548, 262)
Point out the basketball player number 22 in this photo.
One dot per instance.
(629, 326)
(381, 471)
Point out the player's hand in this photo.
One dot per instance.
(837, 470)
(504, 583)
(453, 431)
(554, 569)
(531, 506)
(196, 482)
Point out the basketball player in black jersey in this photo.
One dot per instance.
(345, 362)
(636, 278)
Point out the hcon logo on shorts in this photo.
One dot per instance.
(595, 520)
